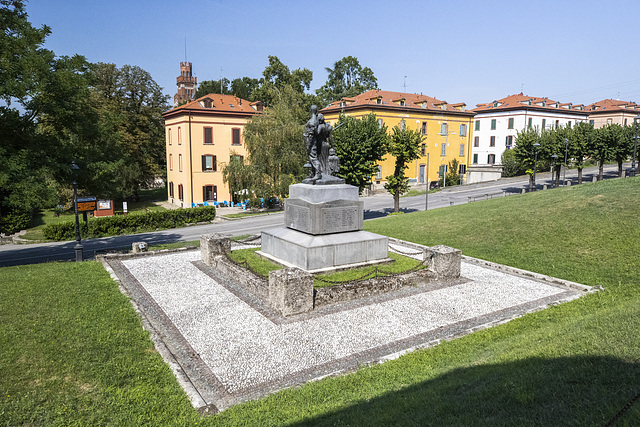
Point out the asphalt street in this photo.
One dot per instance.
(375, 206)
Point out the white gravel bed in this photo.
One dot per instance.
(243, 348)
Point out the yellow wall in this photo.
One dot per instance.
(193, 142)
(432, 139)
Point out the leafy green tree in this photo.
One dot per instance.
(452, 176)
(602, 147)
(579, 143)
(346, 78)
(244, 88)
(276, 76)
(404, 146)
(524, 150)
(360, 144)
(623, 146)
(510, 166)
(275, 145)
(206, 87)
(238, 175)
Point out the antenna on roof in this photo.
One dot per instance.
(522, 88)
(405, 84)
(185, 49)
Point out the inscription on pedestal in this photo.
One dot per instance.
(298, 217)
(335, 220)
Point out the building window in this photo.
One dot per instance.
(180, 162)
(378, 101)
(493, 124)
(402, 125)
(509, 141)
(423, 150)
(462, 169)
(609, 121)
(477, 124)
(476, 141)
(380, 123)
(402, 102)
(170, 162)
(235, 136)
(424, 128)
(491, 159)
(169, 135)
(530, 122)
(171, 189)
(492, 141)
(209, 193)
(475, 159)
(443, 149)
(208, 163)
(544, 123)
(510, 122)
(208, 135)
(207, 103)
(461, 150)
(444, 129)
(592, 122)
(463, 130)
(180, 192)
(236, 156)
(625, 122)
(379, 173)
(179, 135)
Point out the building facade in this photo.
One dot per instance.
(186, 85)
(446, 127)
(496, 125)
(610, 111)
(201, 137)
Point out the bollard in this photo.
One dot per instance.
(524, 190)
(595, 178)
(568, 183)
(544, 186)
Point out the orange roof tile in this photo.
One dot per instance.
(612, 105)
(228, 104)
(519, 101)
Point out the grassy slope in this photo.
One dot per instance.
(72, 351)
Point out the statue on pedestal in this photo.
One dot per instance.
(318, 139)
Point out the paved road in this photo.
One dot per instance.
(375, 206)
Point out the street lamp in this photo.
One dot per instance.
(564, 172)
(78, 247)
(635, 145)
(535, 162)
(553, 169)
(426, 197)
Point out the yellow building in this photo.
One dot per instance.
(446, 127)
(200, 137)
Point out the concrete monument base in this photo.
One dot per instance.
(310, 252)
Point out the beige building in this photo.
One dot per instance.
(610, 111)
(201, 136)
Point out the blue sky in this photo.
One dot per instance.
(457, 51)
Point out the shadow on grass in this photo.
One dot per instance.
(563, 391)
(370, 214)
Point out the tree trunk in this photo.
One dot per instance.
(530, 183)
(396, 202)
(579, 175)
(557, 177)
(600, 170)
(619, 168)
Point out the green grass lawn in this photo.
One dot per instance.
(72, 350)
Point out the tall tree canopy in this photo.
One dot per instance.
(404, 146)
(360, 144)
(221, 86)
(277, 76)
(346, 78)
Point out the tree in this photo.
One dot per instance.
(50, 94)
(404, 146)
(238, 175)
(602, 147)
(360, 144)
(213, 86)
(244, 88)
(579, 143)
(525, 151)
(510, 166)
(452, 176)
(275, 145)
(346, 78)
(623, 146)
(277, 76)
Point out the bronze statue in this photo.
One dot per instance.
(319, 142)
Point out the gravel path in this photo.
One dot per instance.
(245, 350)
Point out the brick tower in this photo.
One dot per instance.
(186, 84)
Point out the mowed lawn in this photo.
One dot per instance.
(73, 351)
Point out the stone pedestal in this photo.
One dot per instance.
(290, 291)
(323, 229)
(445, 261)
(213, 245)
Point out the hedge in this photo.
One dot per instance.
(129, 224)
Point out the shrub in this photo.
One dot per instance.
(148, 221)
(15, 221)
(254, 203)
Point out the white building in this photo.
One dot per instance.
(496, 124)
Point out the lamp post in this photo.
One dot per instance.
(78, 246)
(426, 196)
(553, 170)
(564, 172)
(535, 163)
(635, 145)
